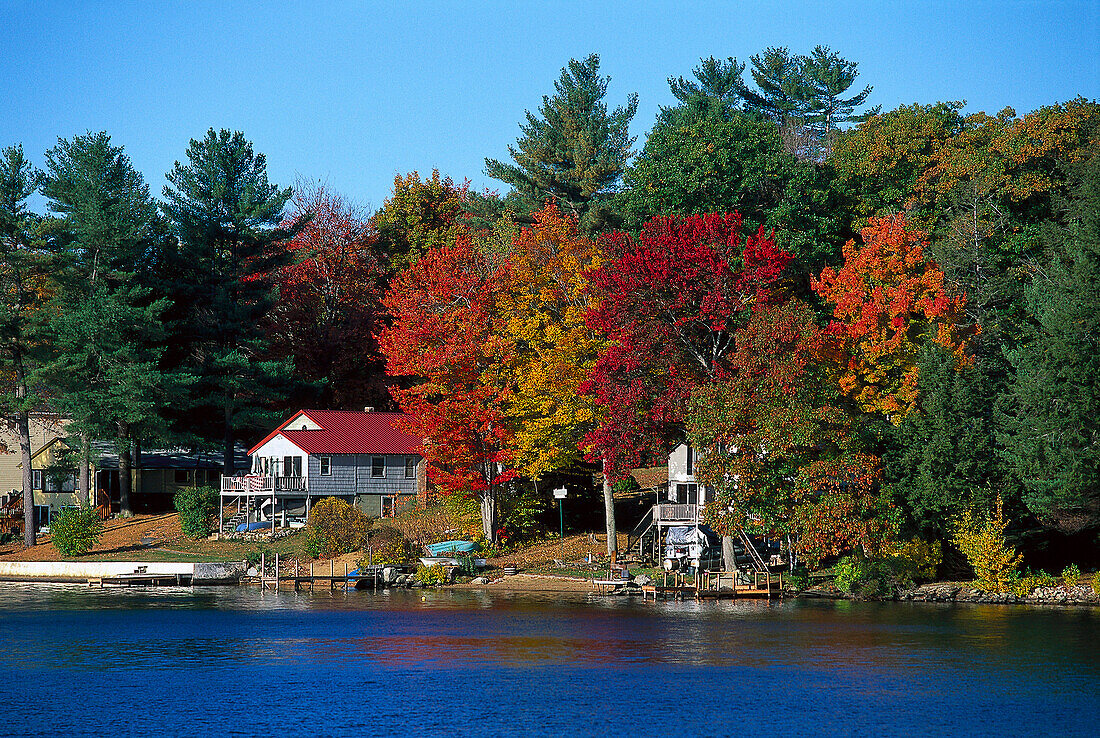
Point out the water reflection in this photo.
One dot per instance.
(479, 658)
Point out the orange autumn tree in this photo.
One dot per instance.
(443, 309)
(888, 300)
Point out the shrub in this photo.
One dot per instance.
(900, 566)
(262, 552)
(198, 508)
(1096, 583)
(335, 527)
(434, 574)
(850, 572)
(76, 530)
(1071, 575)
(521, 513)
(981, 539)
(389, 546)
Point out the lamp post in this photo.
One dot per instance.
(559, 495)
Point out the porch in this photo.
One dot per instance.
(277, 501)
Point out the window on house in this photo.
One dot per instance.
(36, 479)
(182, 476)
(41, 515)
(326, 466)
(378, 466)
(691, 460)
(297, 466)
(389, 506)
(410, 467)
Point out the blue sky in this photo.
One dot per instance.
(353, 93)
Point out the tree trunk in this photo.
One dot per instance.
(489, 513)
(228, 457)
(124, 480)
(84, 482)
(609, 516)
(22, 420)
(729, 561)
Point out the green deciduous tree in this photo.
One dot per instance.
(574, 150)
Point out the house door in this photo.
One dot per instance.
(106, 487)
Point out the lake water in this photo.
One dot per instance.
(237, 661)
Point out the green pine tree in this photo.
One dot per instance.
(707, 154)
(106, 328)
(226, 216)
(1052, 429)
(573, 151)
(24, 266)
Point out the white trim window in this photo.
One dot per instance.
(326, 465)
(410, 467)
(36, 479)
(378, 466)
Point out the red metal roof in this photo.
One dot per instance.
(348, 432)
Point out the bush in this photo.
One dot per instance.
(335, 528)
(434, 574)
(389, 546)
(1071, 575)
(76, 530)
(520, 515)
(902, 566)
(981, 539)
(198, 509)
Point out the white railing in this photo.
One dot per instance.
(258, 484)
(678, 512)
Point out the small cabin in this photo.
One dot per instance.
(364, 457)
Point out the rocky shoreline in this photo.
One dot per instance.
(959, 592)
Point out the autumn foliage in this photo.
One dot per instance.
(668, 302)
(887, 299)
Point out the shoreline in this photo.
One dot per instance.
(225, 574)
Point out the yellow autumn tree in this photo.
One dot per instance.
(549, 348)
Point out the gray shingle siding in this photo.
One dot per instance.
(351, 473)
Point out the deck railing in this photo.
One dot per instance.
(259, 484)
(677, 511)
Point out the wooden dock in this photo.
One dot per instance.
(142, 579)
(370, 576)
(714, 585)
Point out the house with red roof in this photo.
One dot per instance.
(363, 457)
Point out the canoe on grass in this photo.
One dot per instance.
(258, 525)
(438, 549)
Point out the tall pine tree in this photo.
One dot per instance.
(226, 215)
(574, 150)
(1052, 430)
(105, 326)
(23, 269)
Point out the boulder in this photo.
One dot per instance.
(480, 581)
(389, 575)
(642, 580)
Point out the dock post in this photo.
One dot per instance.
(263, 568)
(276, 572)
(311, 582)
